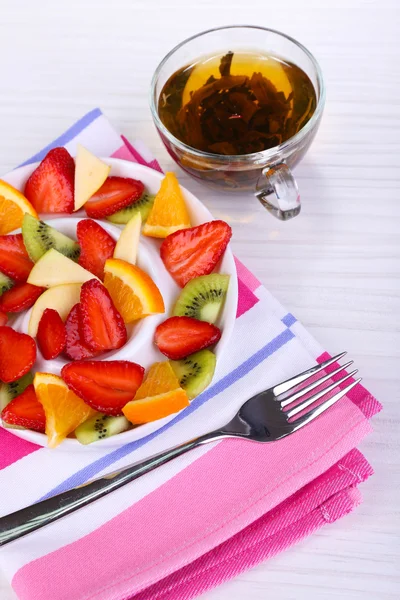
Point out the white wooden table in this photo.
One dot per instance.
(337, 266)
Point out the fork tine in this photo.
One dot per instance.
(317, 411)
(313, 385)
(302, 405)
(287, 385)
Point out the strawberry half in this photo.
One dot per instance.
(178, 337)
(96, 246)
(50, 188)
(75, 348)
(25, 411)
(17, 354)
(14, 259)
(51, 334)
(115, 193)
(103, 328)
(189, 253)
(20, 297)
(3, 319)
(106, 386)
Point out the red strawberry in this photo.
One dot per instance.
(17, 354)
(96, 246)
(3, 319)
(25, 411)
(178, 337)
(50, 188)
(115, 193)
(20, 297)
(75, 347)
(14, 259)
(107, 385)
(51, 334)
(103, 328)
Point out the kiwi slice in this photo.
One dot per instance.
(40, 237)
(202, 298)
(195, 372)
(100, 426)
(5, 283)
(143, 205)
(9, 391)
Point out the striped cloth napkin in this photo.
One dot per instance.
(209, 515)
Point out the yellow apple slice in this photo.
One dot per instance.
(60, 297)
(90, 174)
(53, 268)
(128, 243)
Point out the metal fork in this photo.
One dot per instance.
(266, 417)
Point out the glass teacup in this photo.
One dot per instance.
(266, 173)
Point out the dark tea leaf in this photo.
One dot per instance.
(225, 66)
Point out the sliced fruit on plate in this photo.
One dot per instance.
(17, 354)
(115, 194)
(60, 297)
(9, 391)
(106, 386)
(75, 347)
(39, 237)
(103, 327)
(51, 335)
(90, 174)
(96, 246)
(133, 291)
(195, 372)
(169, 212)
(3, 318)
(99, 427)
(143, 206)
(56, 269)
(25, 411)
(13, 206)
(178, 337)
(50, 188)
(14, 259)
(128, 242)
(5, 283)
(64, 410)
(159, 396)
(20, 297)
(196, 251)
(202, 298)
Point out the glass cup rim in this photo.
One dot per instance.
(259, 157)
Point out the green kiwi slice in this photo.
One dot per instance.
(9, 391)
(99, 427)
(195, 372)
(202, 298)
(143, 205)
(40, 237)
(5, 283)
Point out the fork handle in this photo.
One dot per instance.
(26, 520)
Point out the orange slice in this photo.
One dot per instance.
(13, 206)
(159, 396)
(133, 292)
(64, 410)
(169, 212)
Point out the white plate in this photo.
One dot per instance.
(140, 347)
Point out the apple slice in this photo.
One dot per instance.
(53, 268)
(90, 174)
(61, 298)
(128, 243)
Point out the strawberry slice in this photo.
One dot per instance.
(3, 319)
(50, 188)
(75, 348)
(105, 386)
(96, 246)
(17, 354)
(51, 334)
(103, 328)
(178, 337)
(25, 411)
(189, 253)
(14, 259)
(115, 193)
(20, 297)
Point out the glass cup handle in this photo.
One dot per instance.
(278, 192)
